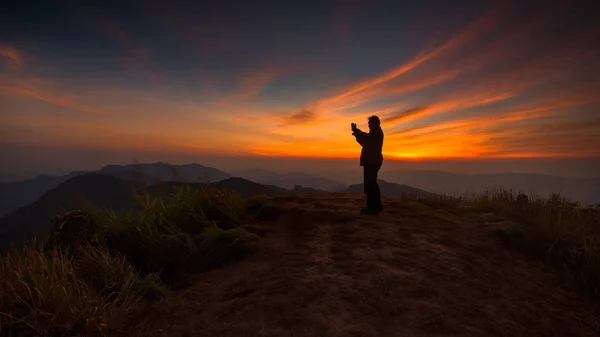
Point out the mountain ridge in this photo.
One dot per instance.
(100, 190)
(20, 193)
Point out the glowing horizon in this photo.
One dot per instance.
(501, 85)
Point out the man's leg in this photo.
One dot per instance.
(376, 192)
(366, 185)
(370, 181)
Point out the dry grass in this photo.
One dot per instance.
(555, 228)
(95, 268)
(43, 293)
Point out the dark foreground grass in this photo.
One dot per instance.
(93, 269)
(556, 229)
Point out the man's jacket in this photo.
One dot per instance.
(372, 145)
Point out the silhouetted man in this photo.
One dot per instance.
(371, 159)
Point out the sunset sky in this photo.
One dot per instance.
(459, 79)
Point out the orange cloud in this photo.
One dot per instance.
(45, 90)
(418, 84)
(492, 136)
(418, 111)
(466, 125)
(382, 91)
(567, 142)
(509, 84)
(462, 101)
(465, 36)
(13, 55)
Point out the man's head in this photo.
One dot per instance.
(374, 122)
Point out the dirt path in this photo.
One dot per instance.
(326, 270)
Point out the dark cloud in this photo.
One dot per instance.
(301, 117)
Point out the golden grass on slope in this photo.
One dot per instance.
(95, 268)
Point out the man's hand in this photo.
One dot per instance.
(353, 126)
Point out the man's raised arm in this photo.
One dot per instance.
(361, 136)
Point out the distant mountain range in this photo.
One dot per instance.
(20, 193)
(290, 179)
(582, 190)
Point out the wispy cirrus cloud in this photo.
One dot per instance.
(242, 87)
(46, 90)
(553, 106)
(365, 91)
(461, 101)
(463, 37)
(13, 55)
(480, 45)
(247, 85)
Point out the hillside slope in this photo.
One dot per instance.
(413, 270)
(35, 219)
(20, 193)
(99, 190)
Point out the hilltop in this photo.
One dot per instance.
(204, 261)
(417, 269)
